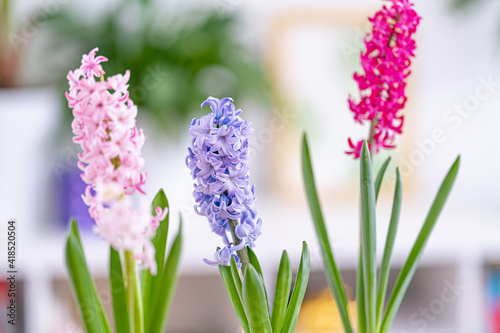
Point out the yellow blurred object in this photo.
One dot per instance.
(320, 314)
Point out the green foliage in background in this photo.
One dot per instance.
(467, 7)
(176, 59)
(461, 4)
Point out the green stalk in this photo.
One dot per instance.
(371, 135)
(243, 253)
(134, 297)
(360, 294)
(368, 239)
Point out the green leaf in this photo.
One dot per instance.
(411, 263)
(255, 302)
(332, 273)
(254, 261)
(151, 284)
(167, 287)
(236, 276)
(385, 266)
(380, 176)
(282, 293)
(84, 290)
(299, 290)
(368, 238)
(232, 291)
(360, 296)
(120, 310)
(252, 257)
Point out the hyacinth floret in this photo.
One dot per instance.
(386, 63)
(104, 127)
(218, 158)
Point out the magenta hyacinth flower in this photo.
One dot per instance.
(104, 126)
(218, 158)
(386, 64)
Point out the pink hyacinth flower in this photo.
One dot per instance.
(386, 61)
(111, 161)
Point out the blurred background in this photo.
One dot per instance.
(288, 64)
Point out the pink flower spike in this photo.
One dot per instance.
(104, 126)
(386, 61)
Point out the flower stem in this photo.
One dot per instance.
(134, 298)
(370, 141)
(371, 135)
(243, 253)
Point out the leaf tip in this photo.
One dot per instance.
(365, 150)
(161, 195)
(180, 223)
(73, 225)
(305, 146)
(305, 250)
(250, 270)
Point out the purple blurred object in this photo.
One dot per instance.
(73, 207)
